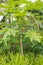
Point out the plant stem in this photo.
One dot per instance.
(21, 45)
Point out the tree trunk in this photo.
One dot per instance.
(21, 46)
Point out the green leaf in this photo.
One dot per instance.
(33, 35)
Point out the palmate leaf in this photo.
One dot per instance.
(10, 32)
(20, 14)
(7, 32)
(33, 35)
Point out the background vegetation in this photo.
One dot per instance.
(21, 32)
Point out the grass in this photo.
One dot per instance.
(17, 59)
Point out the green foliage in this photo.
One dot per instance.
(27, 27)
(33, 36)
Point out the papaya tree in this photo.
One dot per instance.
(21, 22)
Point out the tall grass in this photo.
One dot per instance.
(17, 59)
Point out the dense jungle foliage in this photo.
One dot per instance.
(21, 32)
